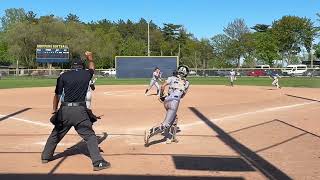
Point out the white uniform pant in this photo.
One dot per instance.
(275, 82)
(154, 83)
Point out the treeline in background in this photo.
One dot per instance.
(288, 40)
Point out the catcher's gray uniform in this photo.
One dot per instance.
(177, 89)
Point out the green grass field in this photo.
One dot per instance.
(24, 82)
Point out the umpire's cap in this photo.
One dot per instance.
(77, 62)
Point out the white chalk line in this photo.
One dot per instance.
(132, 140)
(28, 121)
(122, 93)
(186, 126)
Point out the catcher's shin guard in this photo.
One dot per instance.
(172, 132)
(153, 131)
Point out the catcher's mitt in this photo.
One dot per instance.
(162, 97)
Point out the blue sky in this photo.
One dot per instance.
(203, 18)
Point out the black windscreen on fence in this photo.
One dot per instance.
(143, 66)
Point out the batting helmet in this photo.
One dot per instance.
(183, 70)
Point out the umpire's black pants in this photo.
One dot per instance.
(78, 118)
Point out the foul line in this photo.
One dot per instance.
(28, 121)
(248, 113)
(185, 126)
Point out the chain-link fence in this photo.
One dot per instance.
(253, 72)
(50, 73)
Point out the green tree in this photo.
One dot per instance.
(12, 16)
(293, 33)
(236, 30)
(266, 47)
(4, 56)
(220, 44)
(317, 50)
(133, 47)
(72, 18)
(261, 27)
(31, 17)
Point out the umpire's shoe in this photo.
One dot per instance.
(99, 165)
(45, 161)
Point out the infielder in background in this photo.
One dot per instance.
(232, 77)
(178, 86)
(156, 76)
(275, 77)
(91, 88)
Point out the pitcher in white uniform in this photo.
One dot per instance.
(156, 76)
(91, 88)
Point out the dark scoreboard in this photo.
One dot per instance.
(52, 53)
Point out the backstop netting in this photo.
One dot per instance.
(143, 66)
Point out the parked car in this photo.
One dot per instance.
(257, 73)
(295, 70)
(109, 72)
(312, 73)
(193, 73)
(222, 73)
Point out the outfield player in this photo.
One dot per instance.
(232, 76)
(178, 86)
(156, 76)
(275, 77)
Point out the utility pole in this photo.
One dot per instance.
(17, 68)
(311, 55)
(148, 38)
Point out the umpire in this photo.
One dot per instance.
(73, 112)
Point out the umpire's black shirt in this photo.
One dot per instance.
(74, 84)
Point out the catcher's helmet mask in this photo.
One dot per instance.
(183, 71)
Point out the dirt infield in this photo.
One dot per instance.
(226, 133)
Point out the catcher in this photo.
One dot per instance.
(178, 86)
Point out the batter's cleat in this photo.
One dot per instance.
(99, 165)
(146, 137)
(175, 140)
(171, 140)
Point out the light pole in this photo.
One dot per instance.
(148, 38)
(311, 55)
